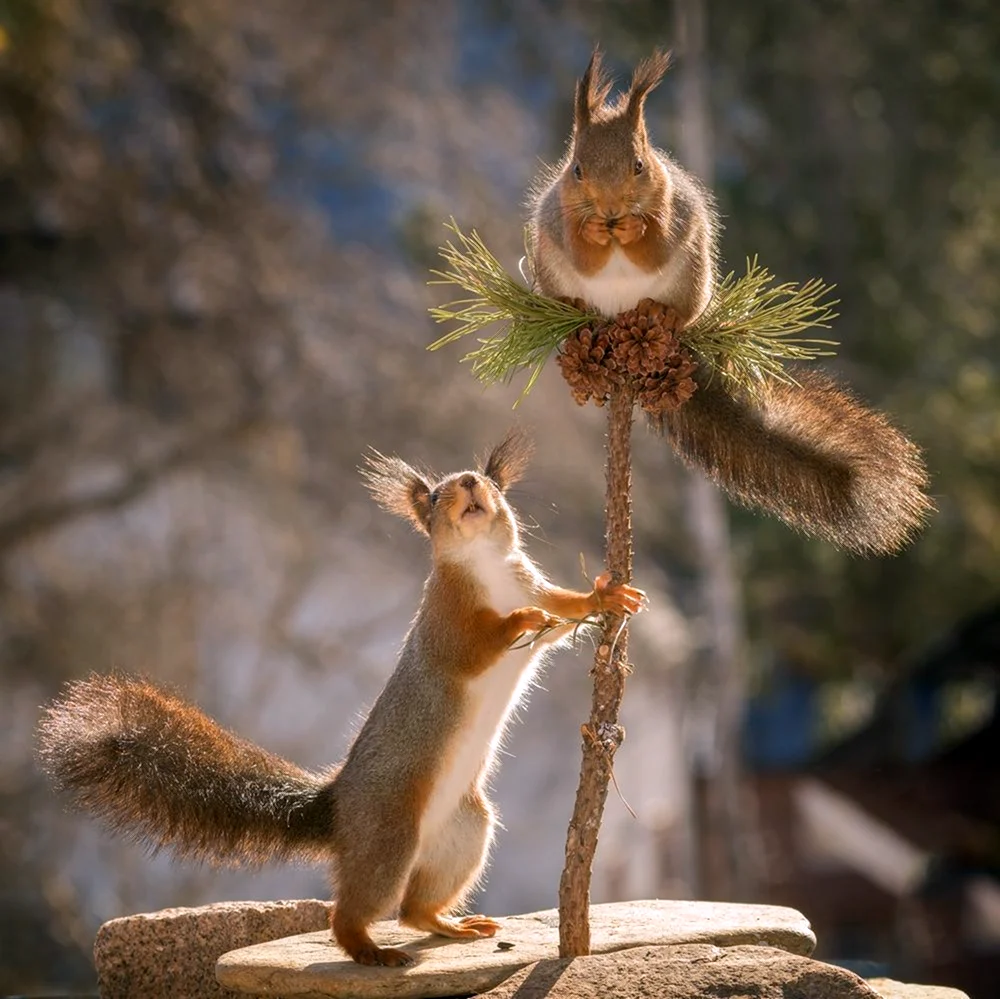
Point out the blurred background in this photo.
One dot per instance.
(216, 224)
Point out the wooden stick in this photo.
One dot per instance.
(602, 735)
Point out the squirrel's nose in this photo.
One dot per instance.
(468, 482)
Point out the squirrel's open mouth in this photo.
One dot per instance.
(472, 509)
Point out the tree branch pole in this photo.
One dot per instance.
(602, 735)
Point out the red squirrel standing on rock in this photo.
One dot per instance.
(617, 221)
(405, 819)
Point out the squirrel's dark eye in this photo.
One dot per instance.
(434, 497)
(577, 172)
(638, 165)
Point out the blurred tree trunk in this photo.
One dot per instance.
(721, 814)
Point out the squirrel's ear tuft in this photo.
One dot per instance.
(592, 91)
(646, 77)
(509, 459)
(398, 488)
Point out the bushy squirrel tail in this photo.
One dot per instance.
(812, 455)
(164, 774)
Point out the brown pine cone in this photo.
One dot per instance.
(586, 363)
(644, 337)
(639, 346)
(577, 303)
(667, 390)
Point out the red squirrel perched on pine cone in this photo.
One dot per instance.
(405, 819)
(617, 221)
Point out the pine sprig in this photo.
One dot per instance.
(750, 326)
(531, 326)
(748, 330)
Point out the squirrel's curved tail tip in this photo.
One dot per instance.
(812, 455)
(160, 772)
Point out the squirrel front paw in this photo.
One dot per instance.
(619, 598)
(629, 229)
(595, 230)
(530, 619)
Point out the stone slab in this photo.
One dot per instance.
(687, 971)
(313, 965)
(172, 953)
(888, 988)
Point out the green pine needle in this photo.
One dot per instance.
(750, 326)
(748, 330)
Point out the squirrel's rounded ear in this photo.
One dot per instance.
(509, 459)
(398, 488)
(592, 91)
(646, 77)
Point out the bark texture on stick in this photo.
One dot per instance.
(602, 735)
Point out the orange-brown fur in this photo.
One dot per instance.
(160, 771)
(477, 636)
(614, 191)
(807, 452)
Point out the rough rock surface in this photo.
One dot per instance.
(888, 988)
(692, 971)
(172, 953)
(312, 965)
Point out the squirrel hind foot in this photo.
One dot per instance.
(462, 928)
(483, 925)
(362, 949)
(383, 957)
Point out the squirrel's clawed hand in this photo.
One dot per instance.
(533, 619)
(619, 598)
(606, 597)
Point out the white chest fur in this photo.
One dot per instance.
(617, 286)
(490, 698)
